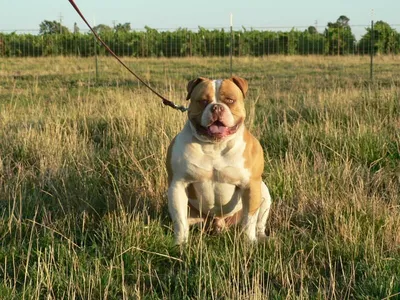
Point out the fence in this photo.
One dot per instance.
(340, 40)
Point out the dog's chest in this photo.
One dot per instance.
(217, 164)
(216, 178)
(214, 173)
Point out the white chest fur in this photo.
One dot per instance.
(216, 171)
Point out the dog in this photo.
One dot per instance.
(215, 164)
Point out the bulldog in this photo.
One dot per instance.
(215, 164)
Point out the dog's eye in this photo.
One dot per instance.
(229, 100)
(204, 102)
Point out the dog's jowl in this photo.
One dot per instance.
(215, 164)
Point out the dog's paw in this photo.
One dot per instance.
(218, 226)
(180, 242)
(261, 237)
(181, 239)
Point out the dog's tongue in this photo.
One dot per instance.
(217, 129)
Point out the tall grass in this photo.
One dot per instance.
(83, 208)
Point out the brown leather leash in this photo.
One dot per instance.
(164, 100)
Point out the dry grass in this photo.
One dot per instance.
(82, 181)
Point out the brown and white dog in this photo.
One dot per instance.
(215, 165)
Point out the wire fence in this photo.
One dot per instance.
(339, 40)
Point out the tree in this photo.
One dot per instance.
(340, 38)
(311, 42)
(343, 21)
(126, 27)
(52, 27)
(386, 39)
(312, 30)
(102, 29)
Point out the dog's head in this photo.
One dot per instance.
(216, 109)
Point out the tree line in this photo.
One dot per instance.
(336, 39)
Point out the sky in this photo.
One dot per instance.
(24, 15)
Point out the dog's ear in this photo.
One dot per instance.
(241, 83)
(192, 84)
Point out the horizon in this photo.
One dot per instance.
(357, 30)
(256, 14)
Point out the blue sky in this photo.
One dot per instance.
(27, 15)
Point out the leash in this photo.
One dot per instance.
(164, 100)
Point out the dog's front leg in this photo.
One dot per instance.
(251, 199)
(178, 207)
(264, 212)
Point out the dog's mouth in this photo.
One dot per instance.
(218, 130)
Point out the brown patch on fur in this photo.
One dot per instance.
(192, 84)
(254, 161)
(253, 155)
(229, 92)
(202, 91)
(241, 83)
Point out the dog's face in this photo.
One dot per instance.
(216, 109)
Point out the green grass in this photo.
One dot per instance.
(83, 208)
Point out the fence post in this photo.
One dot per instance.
(96, 60)
(231, 48)
(95, 53)
(372, 52)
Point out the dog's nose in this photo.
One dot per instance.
(217, 108)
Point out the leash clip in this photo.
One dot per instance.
(181, 108)
(173, 105)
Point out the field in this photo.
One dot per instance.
(83, 208)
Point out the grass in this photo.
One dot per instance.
(83, 208)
